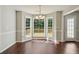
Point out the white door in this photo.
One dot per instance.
(70, 29)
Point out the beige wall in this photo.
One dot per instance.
(58, 25)
(77, 25)
(18, 26)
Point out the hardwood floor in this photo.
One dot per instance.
(43, 47)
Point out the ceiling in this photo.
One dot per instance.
(45, 9)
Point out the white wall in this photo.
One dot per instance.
(8, 27)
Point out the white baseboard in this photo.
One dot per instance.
(7, 47)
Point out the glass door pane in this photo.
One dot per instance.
(38, 28)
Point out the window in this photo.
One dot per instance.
(28, 26)
(38, 28)
(50, 27)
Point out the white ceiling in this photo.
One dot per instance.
(34, 9)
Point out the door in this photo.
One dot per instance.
(69, 28)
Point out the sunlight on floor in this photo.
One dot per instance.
(71, 48)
